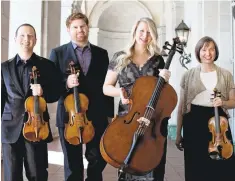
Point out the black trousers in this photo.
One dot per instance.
(197, 162)
(33, 155)
(73, 158)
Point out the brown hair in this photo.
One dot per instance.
(75, 16)
(205, 40)
(25, 24)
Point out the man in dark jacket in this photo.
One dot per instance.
(92, 62)
(16, 88)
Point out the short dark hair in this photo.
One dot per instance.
(75, 16)
(25, 24)
(200, 44)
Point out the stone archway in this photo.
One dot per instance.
(111, 23)
(102, 7)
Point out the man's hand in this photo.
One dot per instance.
(36, 89)
(110, 119)
(72, 81)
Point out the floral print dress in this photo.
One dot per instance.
(126, 79)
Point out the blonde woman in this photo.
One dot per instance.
(140, 58)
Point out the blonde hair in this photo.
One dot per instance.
(152, 48)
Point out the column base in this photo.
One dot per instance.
(171, 132)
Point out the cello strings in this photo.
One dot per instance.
(143, 126)
(157, 92)
(149, 112)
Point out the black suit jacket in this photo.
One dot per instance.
(100, 106)
(13, 96)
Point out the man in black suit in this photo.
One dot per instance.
(15, 89)
(93, 63)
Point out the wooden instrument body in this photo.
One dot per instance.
(78, 119)
(117, 139)
(220, 139)
(35, 129)
(220, 147)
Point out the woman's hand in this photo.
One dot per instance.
(123, 96)
(179, 142)
(217, 102)
(164, 73)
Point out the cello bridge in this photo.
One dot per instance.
(143, 120)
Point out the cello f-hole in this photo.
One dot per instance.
(128, 122)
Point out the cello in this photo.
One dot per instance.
(79, 129)
(35, 129)
(137, 148)
(220, 147)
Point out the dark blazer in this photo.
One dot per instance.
(13, 96)
(100, 106)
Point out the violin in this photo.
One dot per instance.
(220, 147)
(78, 130)
(35, 129)
(133, 142)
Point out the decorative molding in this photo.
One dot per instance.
(76, 7)
(113, 35)
(233, 9)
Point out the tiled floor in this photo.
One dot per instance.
(174, 166)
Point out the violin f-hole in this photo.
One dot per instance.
(128, 122)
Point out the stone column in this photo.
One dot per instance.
(233, 60)
(93, 35)
(174, 13)
(51, 15)
(25, 12)
(66, 10)
(5, 30)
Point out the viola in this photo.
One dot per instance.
(78, 130)
(137, 147)
(220, 147)
(35, 129)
